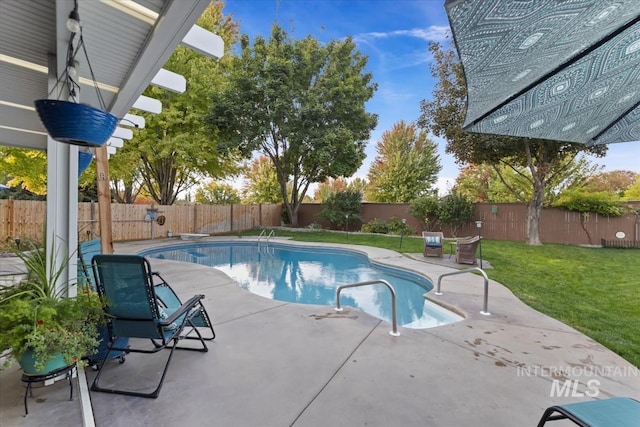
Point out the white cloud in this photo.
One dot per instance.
(434, 33)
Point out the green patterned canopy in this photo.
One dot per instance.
(563, 70)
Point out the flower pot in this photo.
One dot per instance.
(76, 124)
(27, 363)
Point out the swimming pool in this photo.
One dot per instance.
(311, 275)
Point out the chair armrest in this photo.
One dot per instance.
(184, 308)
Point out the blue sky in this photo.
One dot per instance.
(394, 34)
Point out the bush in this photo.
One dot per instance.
(425, 209)
(340, 207)
(375, 226)
(455, 210)
(601, 202)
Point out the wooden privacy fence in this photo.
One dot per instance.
(26, 219)
(507, 221)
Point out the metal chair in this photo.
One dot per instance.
(616, 411)
(135, 310)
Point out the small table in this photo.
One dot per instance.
(67, 371)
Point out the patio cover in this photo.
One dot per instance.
(559, 70)
(128, 42)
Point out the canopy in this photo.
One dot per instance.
(559, 70)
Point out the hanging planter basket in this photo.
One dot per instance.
(76, 124)
(84, 160)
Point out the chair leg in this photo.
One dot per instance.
(154, 394)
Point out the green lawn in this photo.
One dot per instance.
(594, 290)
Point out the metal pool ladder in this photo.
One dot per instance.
(266, 235)
(484, 311)
(394, 321)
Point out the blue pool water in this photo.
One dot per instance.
(311, 276)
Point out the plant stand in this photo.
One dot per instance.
(67, 371)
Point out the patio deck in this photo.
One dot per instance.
(282, 364)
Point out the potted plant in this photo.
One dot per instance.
(44, 329)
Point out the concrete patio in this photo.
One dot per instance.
(282, 364)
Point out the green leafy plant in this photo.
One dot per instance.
(342, 208)
(36, 315)
(375, 226)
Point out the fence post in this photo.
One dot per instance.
(11, 215)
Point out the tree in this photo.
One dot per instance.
(405, 167)
(482, 183)
(455, 210)
(617, 181)
(261, 185)
(217, 193)
(330, 186)
(300, 103)
(25, 168)
(632, 192)
(545, 160)
(173, 153)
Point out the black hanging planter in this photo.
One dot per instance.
(76, 124)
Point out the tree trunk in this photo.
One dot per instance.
(534, 208)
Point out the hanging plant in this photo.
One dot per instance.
(69, 121)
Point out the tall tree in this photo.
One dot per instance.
(329, 187)
(302, 104)
(173, 152)
(617, 181)
(545, 159)
(217, 193)
(406, 167)
(261, 185)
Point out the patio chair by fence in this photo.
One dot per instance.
(135, 311)
(616, 411)
(466, 250)
(433, 241)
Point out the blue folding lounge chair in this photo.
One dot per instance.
(614, 412)
(135, 311)
(86, 251)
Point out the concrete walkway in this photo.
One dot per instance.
(281, 364)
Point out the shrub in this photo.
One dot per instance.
(455, 210)
(376, 226)
(425, 209)
(601, 202)
(337, 206)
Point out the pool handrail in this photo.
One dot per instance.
(485, 310)
(263, 233)
(394, 321)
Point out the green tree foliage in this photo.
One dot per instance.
(217, 193)
(302, 104)
(261, 185)
(455, 210)
(425, 209)
(601, 202)
(342, 207)
(173, 153)
(24, 168)
(505, 184)
(544, 159)
(632, 192)
(406, 166)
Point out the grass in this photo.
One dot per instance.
(594, 290)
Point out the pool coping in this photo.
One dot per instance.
(359, 371)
